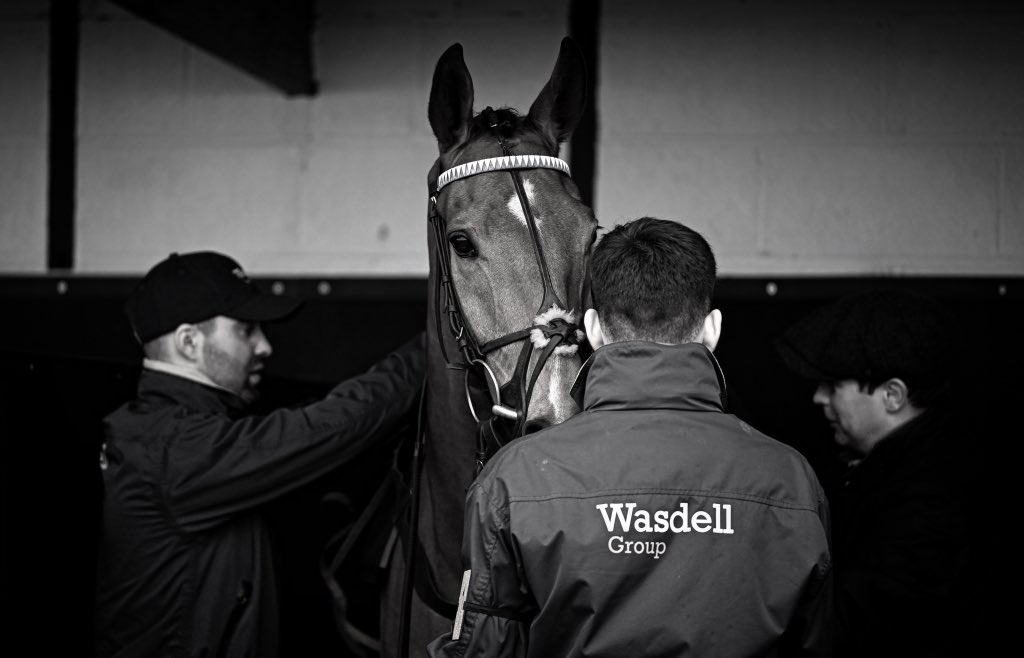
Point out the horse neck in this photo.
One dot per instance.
(450, 425)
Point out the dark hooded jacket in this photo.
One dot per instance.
(185, 565)
(650, 524)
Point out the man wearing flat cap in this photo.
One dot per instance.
(885, 362)
(185, 566)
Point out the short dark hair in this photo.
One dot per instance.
(653, 279)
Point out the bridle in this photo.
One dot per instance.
(509, 402)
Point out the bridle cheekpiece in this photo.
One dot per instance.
(555, 329)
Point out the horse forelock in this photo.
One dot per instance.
(511, 126)
(508, 119)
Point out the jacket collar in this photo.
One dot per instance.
(929, 429)
(160, 387)
(638, 374)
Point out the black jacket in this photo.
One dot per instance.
(650, 524)
(184, 559)
(902, 539)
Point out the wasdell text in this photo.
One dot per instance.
(661, 521)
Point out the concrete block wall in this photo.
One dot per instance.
(802, 138)
(819, 138)
(180, 151)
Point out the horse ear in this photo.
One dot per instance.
(451, 99)
(559, 106)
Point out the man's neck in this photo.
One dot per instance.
(896, 421)
(184, 372)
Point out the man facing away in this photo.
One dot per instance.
(185, 565)
(652, 523)
(884, 363)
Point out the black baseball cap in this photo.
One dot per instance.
(197, 286)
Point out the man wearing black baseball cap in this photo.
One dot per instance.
(185, 564)
(884, 363)
(198, 316)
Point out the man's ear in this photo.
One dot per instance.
(188, 342)
(895, 395)
(592, 326)
(712, 330)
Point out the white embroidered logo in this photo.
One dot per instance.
(661, 521)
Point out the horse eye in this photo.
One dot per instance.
(462, 245)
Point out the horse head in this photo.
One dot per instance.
(512, 237)
(509, 247)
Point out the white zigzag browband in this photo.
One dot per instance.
(503, 163)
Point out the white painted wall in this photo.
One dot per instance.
(23, 88)
(856, 139)
(820, 138)
(180, 151)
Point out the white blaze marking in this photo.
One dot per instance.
(516, 208)
(554, 389)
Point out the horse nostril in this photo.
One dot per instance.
(534, 425)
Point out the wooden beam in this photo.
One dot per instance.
(584, 23)
(63, 128)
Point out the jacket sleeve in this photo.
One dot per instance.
(216, 466)
(494, 616)
(814, 621)
(811, 632)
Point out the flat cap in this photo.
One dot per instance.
(871, 336)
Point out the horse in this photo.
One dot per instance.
(509, 242)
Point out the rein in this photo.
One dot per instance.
(510, 402)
